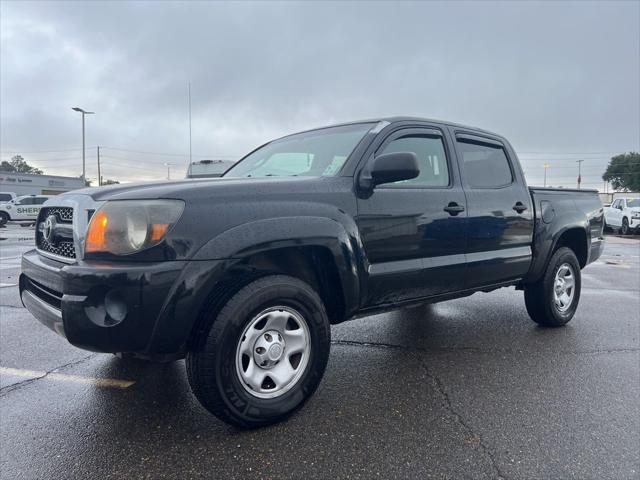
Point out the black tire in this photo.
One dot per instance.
(624, 229)
(4, 218)
(211, 366)
(539, 296)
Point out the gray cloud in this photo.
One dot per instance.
(553, 77)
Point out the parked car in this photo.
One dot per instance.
(6, 197)
(22, 209)
(244, 274)
(623, 215)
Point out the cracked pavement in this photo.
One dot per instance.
(469, 388)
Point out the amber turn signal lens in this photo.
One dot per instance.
(96, 235)
(158, 231)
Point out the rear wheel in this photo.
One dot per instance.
(553, 300)
(264, 353)
(624, 230)
(4, 218)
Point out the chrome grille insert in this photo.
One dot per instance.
(62, 247)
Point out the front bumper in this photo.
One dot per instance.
(102, 307)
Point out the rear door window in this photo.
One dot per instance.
(484, 165)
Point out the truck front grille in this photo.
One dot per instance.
(63, 247)
(64, 214)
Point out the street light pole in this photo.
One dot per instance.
(190, 123)
(84, 164)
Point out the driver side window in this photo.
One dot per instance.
(434, 170)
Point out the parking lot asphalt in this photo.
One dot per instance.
(468, 388)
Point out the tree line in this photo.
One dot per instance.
(18, 164)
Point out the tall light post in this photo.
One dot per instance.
(190, 123)
(84, 165)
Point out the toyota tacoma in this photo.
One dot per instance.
(243, 275)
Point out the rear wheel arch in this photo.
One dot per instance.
(575, 239)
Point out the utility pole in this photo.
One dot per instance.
(84, 164)
(99, 176)
(189, 123)
(546, 165)
(579, 162)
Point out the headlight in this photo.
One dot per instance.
(122, 227)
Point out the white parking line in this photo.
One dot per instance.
(98, 382)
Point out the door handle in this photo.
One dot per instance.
(453, 209)
(519, 207)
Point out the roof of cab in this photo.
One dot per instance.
(397, 119)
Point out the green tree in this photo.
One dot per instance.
(19, 165)
(623, 172)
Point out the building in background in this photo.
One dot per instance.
(29, 184)
(208, 168)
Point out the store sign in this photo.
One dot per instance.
(17, 180)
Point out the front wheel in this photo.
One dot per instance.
(264, 354)
(553, 300)
(624, 230)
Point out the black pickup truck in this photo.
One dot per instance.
(244, 274)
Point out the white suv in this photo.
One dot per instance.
(22, 209)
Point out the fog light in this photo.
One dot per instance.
(106, 308)
(115, 306)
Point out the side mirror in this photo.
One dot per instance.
(389, 168)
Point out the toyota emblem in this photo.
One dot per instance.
(48, 227)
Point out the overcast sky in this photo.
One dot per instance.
(560, 80)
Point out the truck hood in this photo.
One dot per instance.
(211, 187)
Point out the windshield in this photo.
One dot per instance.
(309, 154)
(635, 203)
